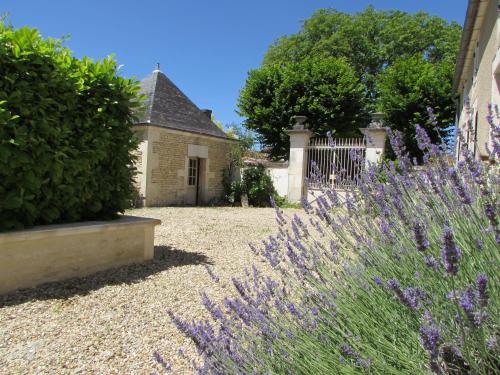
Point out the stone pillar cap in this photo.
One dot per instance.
(381, 129)
(298, 131)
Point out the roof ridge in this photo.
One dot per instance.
(152, 99)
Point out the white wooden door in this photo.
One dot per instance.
(192, 181)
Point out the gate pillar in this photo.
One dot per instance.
(376, 136)
(299, 140)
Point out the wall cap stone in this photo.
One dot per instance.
(77, 227)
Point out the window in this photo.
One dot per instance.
(192, 172)
(476, 61)
(475, 133)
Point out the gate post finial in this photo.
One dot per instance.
(300, 122)
(299, 140)
(377, 120)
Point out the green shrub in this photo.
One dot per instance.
(257, 184)
(65, 133)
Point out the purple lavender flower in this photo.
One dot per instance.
(423, 140)
(430, 336)
(158, 358)
(333, 197)
(492, 342)
(408, 297)
(397, 144)
(211, 307)
(211, 273)
(254, 249)
(482, 282)
(349, 201)
(420, 238)
(453, 295)
(450, 252)
(384, 227)
(270, 251)
(467, 300)
(318, 227)
(378, 280)
(432, 116)
(305, 204)
(299, 227)
(348, 350)
(431, 262)
(479, 317)
(293, 310)
(460, 186)
(491, 214)
(271, 284)
(363, 362)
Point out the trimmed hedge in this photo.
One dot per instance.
(66, 143)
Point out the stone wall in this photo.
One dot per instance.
(164, 178)
(56, 252)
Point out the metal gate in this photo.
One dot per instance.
(337, 163)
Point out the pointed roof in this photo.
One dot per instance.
(169, 107)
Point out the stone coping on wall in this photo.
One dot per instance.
(30, 257)
(265, 162)
(77, 227)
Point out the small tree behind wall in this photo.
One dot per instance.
(231, 174)
(65, 133)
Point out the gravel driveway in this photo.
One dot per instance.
(113, 321)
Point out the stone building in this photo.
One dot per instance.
(182, 153)
(477, 75)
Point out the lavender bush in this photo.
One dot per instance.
(397, 277)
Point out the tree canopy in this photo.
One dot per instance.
(408, 90)
(325, 90)
(375, 50)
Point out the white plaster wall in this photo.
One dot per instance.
(280, 180)
(483, 89)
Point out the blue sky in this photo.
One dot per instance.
(205, 47)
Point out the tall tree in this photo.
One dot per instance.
(326, 90)
(408, 90)
(369, 42)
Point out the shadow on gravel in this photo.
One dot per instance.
(165, 257)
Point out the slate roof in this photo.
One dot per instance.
(169, 107)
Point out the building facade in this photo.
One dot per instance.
(477, 76)
(182, 154)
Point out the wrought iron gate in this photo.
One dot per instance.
(335, 162)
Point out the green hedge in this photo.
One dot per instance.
(66, 143)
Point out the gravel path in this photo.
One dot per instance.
(112, 322)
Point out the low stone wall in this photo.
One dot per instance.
(56, 252)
